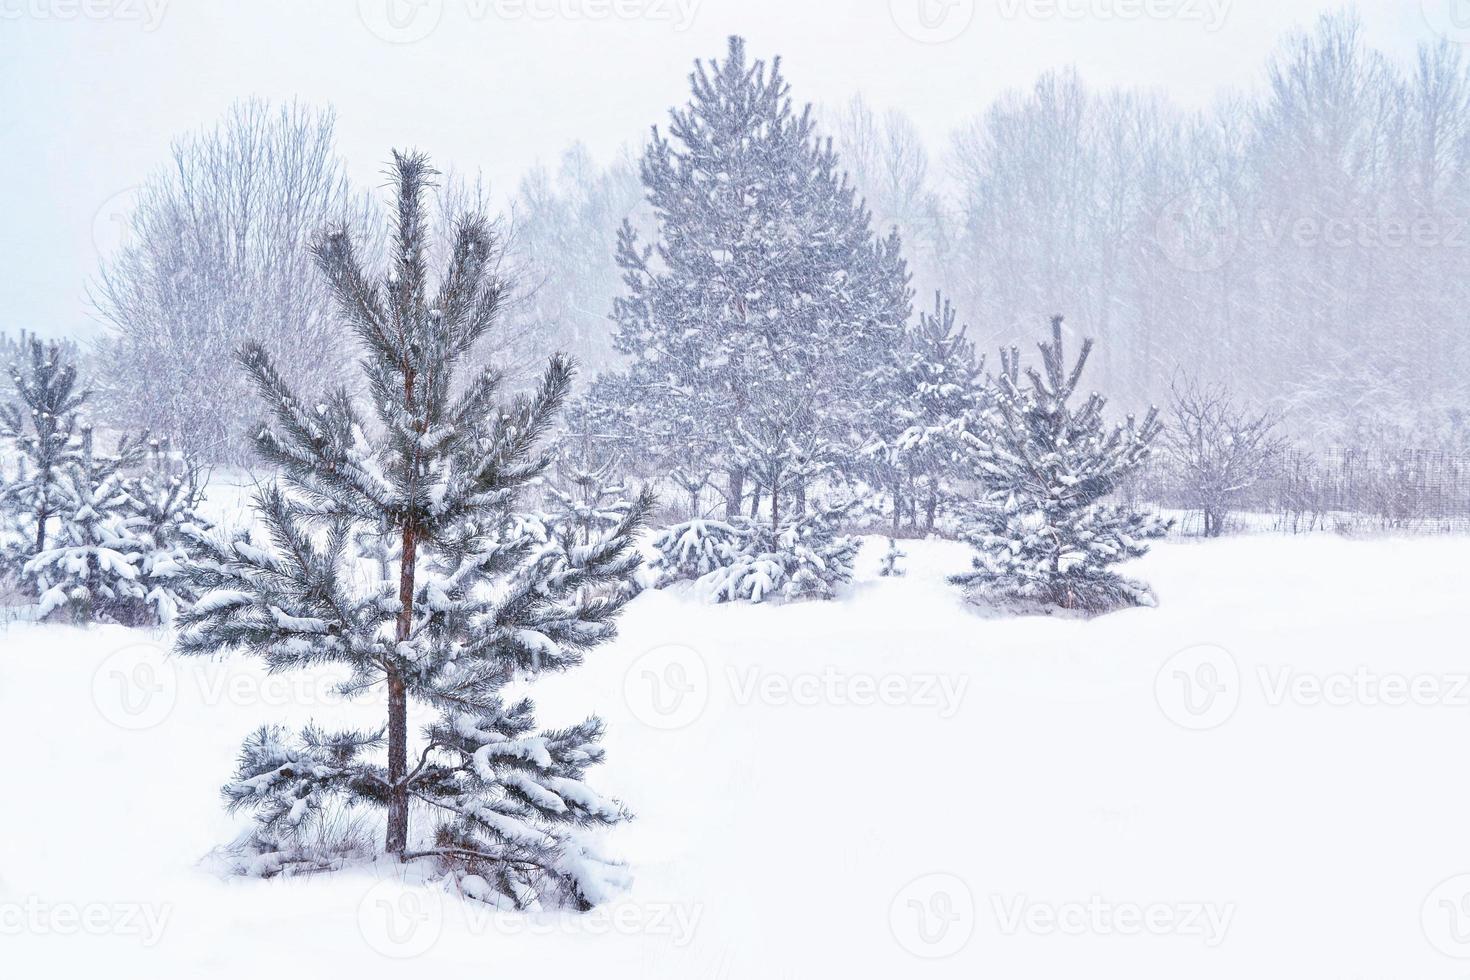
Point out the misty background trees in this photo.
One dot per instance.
(1298, 250)
(1304, 244)
(217, 251)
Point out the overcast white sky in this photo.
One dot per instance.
(91, 91)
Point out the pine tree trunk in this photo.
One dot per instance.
(931, 511)
(897, 507)
(755, 502)
(775, 511)
(397, 840)
(41, 518)
(737, 493)
(801, 499)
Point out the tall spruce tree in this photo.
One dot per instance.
(764, 282)
(1044, 535)
(474, 599)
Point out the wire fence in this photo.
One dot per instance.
(1344, 491)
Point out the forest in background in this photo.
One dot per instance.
(1303, 244)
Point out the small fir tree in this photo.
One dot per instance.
(44, 423)
(475, 598)
(744, 560)
(926, 386)
(889, 567)
(165, 517)
(1044, 536)
(587, 499)
(943, 384)
(89, 570)
(97, 537)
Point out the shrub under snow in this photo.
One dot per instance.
(740, 560)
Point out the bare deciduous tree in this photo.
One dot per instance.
(1219, 448)
(217, 256)
(889, 165)
(563, 248)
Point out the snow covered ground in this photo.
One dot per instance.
(1263, 777)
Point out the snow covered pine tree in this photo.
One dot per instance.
(91, 540)
(164, 520)
(88, 570)
(474, 603)
(923, 387)
(746, 319)
(586, 499)
(944, 386)
(43, 423)
(1044, 537)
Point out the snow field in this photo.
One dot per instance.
(1260, 777)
